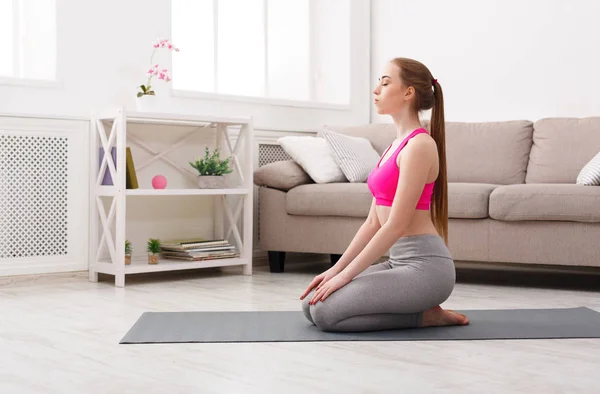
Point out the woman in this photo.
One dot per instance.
(408, 217)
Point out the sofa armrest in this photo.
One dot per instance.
(281, 175)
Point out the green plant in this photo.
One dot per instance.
(127, 247)
(212, 164)
(153, 246)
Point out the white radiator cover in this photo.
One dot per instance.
(43, 195)
(270, 153)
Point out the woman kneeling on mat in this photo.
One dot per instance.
(408, 217)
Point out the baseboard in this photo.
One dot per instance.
(522, 267)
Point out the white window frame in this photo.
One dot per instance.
(185, 93)
(16, 48)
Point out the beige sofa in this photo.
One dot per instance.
(513, 196)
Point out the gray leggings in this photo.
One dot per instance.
(419, 275)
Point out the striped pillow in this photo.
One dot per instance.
(355, 156)
(590, 173)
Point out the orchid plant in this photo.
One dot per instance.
(155, 70)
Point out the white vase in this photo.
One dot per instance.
(146, 103)
(213, 182)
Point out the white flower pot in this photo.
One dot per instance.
(146, 103)
(213, 182)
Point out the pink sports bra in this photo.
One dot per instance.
(382, 181)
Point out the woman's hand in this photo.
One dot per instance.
(329, 287)
(320, 280)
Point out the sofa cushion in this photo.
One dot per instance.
(590, 173)
(333, 199)
(489, 152)
(485, 152)
(355, 156)
(468, 200)
(381, 135)
(567, 202)
(465, 200)
(561, 148)
(314, 156)
(281, 175)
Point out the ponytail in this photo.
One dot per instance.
(439, 205)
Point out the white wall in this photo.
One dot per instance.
(497, 59)
(104, 49)
(103, 52)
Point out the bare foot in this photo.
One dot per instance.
(436, 316)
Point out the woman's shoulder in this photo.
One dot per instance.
(421, 146)
(423, 135)
(422, 142)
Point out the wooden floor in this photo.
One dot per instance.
(60, 335)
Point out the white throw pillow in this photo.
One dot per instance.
(590, 173)
(354, 155)
(315, 157)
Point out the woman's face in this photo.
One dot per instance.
(391, 96)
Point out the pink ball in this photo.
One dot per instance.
(159, 182)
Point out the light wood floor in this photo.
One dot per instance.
(60, 335)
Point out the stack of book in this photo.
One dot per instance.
(198, 249)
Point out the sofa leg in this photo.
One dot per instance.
(276, 261)
(334, 258)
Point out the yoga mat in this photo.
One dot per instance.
(210, 327)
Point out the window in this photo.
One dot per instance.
(28, 39)
(293, 50)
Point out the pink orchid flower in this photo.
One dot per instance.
(155, 71)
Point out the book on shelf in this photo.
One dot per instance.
(196, 257)
(193, 243)
(130, 174)
(107, 178)
(198, 249)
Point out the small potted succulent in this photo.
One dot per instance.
(212, 170)
(127, 252)
(153, 249)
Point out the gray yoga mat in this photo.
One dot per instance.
(207, 327)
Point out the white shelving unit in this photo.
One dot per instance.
(226, 214)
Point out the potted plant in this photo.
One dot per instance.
(127, 252)
(153, 249)
(146, 95)
(212, 170)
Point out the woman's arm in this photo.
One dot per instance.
(417, 159)
(364, 234)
